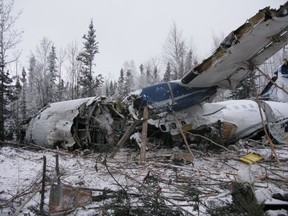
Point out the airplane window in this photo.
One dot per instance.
(163, 127)
(173, 126)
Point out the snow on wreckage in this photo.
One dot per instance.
(88, 121)
(75, 123)
(242, 52)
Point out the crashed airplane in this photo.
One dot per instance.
(88, 121)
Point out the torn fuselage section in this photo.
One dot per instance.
(222, 121)
(76, 123)
(228, 121)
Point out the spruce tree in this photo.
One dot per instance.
(167, 75)
(87, 80)
(128, 83)
(14, 126)
(23, 96)
(9, 37)
(120, 88)
(52, 77)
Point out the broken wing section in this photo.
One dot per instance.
(79, 122)
(245, 48)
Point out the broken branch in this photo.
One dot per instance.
(182, 133)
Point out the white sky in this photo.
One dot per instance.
(131, 29)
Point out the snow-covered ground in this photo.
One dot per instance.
(192, 189)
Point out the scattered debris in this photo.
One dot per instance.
(251, 158)
(64, 199)
(177, 186)
(182, 157)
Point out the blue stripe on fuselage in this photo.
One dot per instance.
(177, 97)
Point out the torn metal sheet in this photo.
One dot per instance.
(244, 49)
(64, 198)
(277, 120)
(80, 122)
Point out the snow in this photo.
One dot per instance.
(209, 176)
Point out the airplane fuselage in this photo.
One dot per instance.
(171, 96)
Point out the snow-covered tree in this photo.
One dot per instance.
(181, 56)
(87, 81)
(152, 69)
(128, 83)
(190, 61)
(167, 74)
(23, 96)
(73, 70)
(9, 38)
(129, 75)
(61, 58)
(175, 50)
(120, 85)
(50, 79)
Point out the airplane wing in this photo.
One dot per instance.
(242, 50)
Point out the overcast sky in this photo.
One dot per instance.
(131, 29)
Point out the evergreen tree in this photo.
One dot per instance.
(129, 71)
(148, 75)
(23, 96)
(87, 81)
(189, 61)
(14, 126)
(9, 37)
(9, 93)
(167, 75)
(113, 87)
(128, 83)
(120, 88)
(141, 69)
(156, 78)
(110, 88)
(61, 91)
(50, 79)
